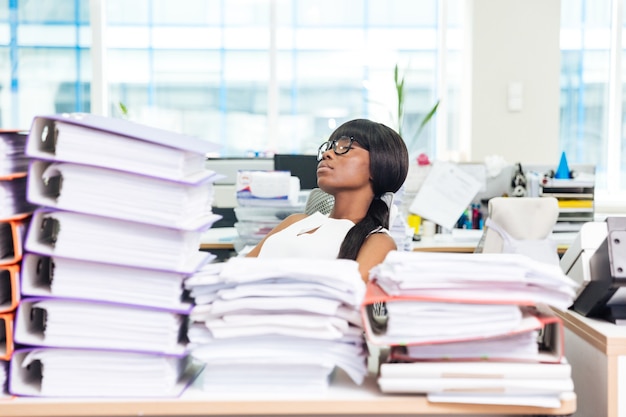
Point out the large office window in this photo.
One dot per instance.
(266, 76)
(592, 85)
(44, 59)
(256, 76)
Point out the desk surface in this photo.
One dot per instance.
(342, 398)
(607, 337)
(224, 238)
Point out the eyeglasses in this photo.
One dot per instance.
(339, 146)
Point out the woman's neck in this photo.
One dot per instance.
(351, 207)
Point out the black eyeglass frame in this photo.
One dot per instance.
(332, 144)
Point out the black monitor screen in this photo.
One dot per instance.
(301, 166)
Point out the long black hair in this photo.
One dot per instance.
(389, 164)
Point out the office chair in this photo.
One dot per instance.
(521, 225)
(319, 200)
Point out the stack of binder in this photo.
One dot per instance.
(15, 213)
(262, 325)
(122, 209)
(472, 328)
(264, 199)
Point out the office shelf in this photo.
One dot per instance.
(576, 201)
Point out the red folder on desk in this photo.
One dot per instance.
(6, 336)
(9, 287)
(537, 319)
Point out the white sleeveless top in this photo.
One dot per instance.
(295, 241)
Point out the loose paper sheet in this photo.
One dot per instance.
(445, 194)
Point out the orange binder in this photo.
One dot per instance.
(6, 336)
(12, 233)
(535, 318)
(9, 287)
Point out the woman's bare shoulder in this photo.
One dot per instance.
(292, 218)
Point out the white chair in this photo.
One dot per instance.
(521, 225)
(319, 200)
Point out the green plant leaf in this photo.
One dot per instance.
(123, 109)
(427, 118)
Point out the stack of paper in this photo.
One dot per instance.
(254, 222)
(539, 384)
(15, 212)
(122, 209)
(13, 159)
(470, 327)
(265, 325)
(13, 196)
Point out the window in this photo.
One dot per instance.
(256, 76)
(591, 95)
(276, 76)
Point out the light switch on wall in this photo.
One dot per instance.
(515, 96)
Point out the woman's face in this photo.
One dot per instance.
(347, 171)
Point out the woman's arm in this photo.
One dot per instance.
(374, 250)
(291, 219)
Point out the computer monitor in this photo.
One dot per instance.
(301, 166)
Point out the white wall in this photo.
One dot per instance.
(514, 41)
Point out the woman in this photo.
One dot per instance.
(360, 165)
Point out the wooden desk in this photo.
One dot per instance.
(342, 399)
(443, 243)
(219, 238)
(597, 351)
(224, 237)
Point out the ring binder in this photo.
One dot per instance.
(58, 277)
(12, 234)
(89, 324)
(119, 144)
(61, 372)
(44, 271)
(37, 320)
(52, 186)
(49, 230)
(9, 287)
(6, 336)
(122, 195)
(48, 137)
(108, 240)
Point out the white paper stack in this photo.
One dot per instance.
(539, 384)
(122, 208)
(15, 212)
(265, 325)
(13, 157)
(264, 199)
(13, 197)
(254, 222)
(474, 328)
(475, 277)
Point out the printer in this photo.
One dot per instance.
(596, 260)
